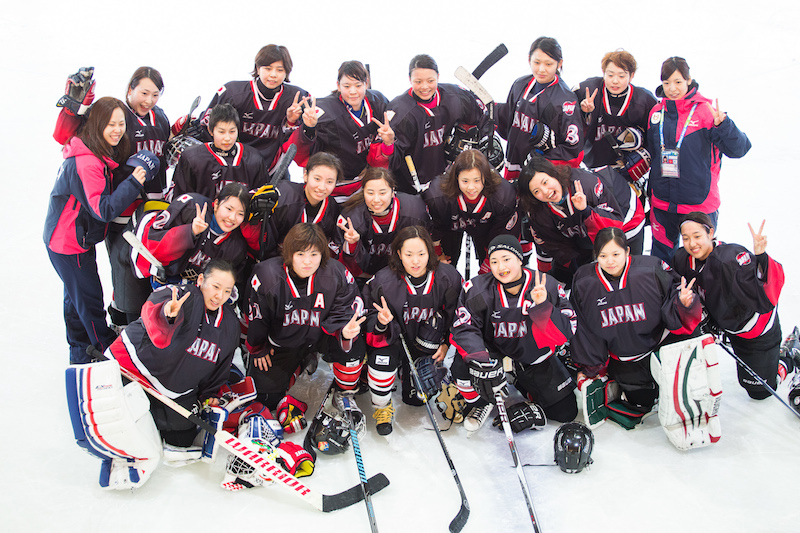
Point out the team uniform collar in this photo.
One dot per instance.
(521, 296)
(625, 104)
(320, 214)
(559, 212)
(366, 112)
(258, 97)
(215, 321)
(530, 87)
(607, 283)
(150, 115)
(427, 287)
(293, 288)
(435, 101)
(394, 211)
(464, 205)
(237, 155)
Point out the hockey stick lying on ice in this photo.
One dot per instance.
(263, 465)
(458, 523)
(501, 409)
(362, 475)
(758, 378)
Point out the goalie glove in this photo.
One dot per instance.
(488, 378)
(542, 137)
(523, 415)
(291, 414)
(79, 93)
(263, 202)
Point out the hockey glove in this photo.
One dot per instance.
(148, 161)
(523, 415)
(487, 378)
(630, 139)
(291, 414)
(263, 202)
(79, 93)
(542, 137)
(294, 459)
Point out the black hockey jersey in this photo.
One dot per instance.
(150, 132)
(411, 305)
(340, 132)
(421, 131)
(739, 290)
(626, 318)
(556, 106)
(371, 253)
(491, 322)
(205, 170)
(189, 357)
(608, 117)
(263, 120)
(281, 315)
(168, 235)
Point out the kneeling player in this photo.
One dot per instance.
(524, 315)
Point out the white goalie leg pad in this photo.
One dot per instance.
(114, 423)
(690, 391)
(215, 416)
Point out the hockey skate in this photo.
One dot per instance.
(477, 416)
(384, 416)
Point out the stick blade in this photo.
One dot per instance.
(283, 164)
(496, 55)
(461, 518)
(353, 495)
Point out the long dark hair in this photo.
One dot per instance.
(369, 174)
(411, 232)
(562, 173)
(467, 160)
(91, 134)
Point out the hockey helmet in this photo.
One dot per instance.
(634, 164)
(330, 434)
(176, 146)
(573, 445)
(462, 137)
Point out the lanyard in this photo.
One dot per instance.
(685, 125)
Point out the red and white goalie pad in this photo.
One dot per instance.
(113, 423)
(690, 391)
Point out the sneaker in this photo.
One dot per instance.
(383, 417)
(477, 416)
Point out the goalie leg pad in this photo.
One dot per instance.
(216, 417)
(690, 391)
(113, 423)
(596, 394)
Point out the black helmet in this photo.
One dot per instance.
(573, 447)
(330, 435)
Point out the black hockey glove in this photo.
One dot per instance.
(263, 202)
(542, 137)
(523, 415)
(79, 93)
(148, 161)
(487, 378)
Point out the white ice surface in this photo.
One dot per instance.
(745, 54)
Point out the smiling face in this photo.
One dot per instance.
(676, 86)
(378, 195)
(544, 67)
(216, 288)
(225, 135)
(115, 128)
(320, 182)
(272, 75)
(414, 257)
(545, 188)
(143, 97)
(229, 214)
(470, 183)
(612, 258)
(698, 241)
(506, 267)
(306, 262)
(424, 82)
(352, 90)
(616, 79)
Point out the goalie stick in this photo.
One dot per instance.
(362, 475)
(263, 465)
(189, 116)
(496, 55)
(460, 520)
(137, 245)
(501, 409)
(283, 165)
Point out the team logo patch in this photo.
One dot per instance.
(743, 259)
(382, 360)
(655, 118)
(512, 221)
(561, 291)
(569, 107)
(602, 301)
(666, 267)
(487, 216)
(598, 188)
(255, 283)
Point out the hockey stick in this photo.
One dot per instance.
(460, 520)
(413, 170)
(494, 56)
(189, 116)
(137, 245)
(757, 377)
(283, 165)
(467, 257)
(264, 466)
(362, 475)
(501, 409)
